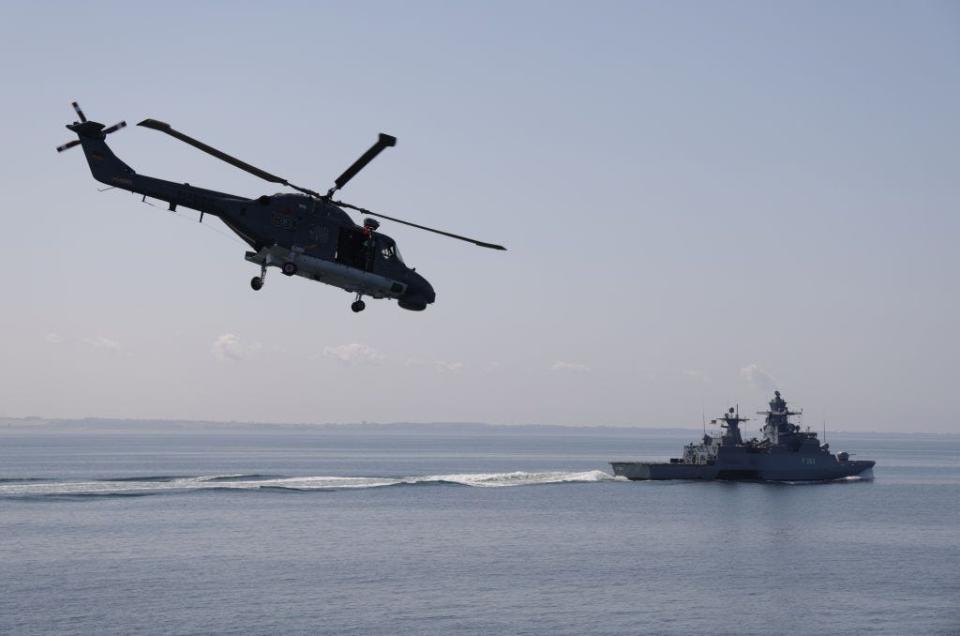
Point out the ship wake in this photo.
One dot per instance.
(157, 485)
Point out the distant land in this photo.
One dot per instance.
(118, 425)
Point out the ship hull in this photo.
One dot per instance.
(757, 468)
(639, 471)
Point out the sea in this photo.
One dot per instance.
(111, 527)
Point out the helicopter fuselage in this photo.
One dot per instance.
(303, 235)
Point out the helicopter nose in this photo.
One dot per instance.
(419, 293)
(427, 291)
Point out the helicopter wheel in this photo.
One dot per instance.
(358, 306)
(289, 268)
(256, 282)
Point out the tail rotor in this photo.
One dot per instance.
(80, 114)
(69, 144)
(114, 128)
(88, 128)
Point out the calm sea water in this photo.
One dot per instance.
(477, 531)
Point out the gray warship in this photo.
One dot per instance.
(784, 454)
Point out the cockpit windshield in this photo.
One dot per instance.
(390, 251)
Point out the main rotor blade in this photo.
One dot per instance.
(383, 142)
(210, 150)
(492, 246)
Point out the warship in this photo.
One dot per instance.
(784, 454)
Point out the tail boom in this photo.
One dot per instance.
(107, 168)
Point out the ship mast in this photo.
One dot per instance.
(730, 422)
(777, 421)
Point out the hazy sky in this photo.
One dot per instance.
(701, 201)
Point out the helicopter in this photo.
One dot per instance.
(305, 234)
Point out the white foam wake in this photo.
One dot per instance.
(519, 478)
(154, 485)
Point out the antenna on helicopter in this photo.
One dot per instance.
(383, 142)
(92, 126)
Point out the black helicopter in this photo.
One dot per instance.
(306, 234)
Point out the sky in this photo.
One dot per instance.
(701, 201)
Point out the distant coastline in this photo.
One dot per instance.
(121, 425)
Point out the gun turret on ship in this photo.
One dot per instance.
(784, 454)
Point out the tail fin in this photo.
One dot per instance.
(105, 166)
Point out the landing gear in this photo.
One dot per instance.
(358, 305)
(289, 268)
(257, 281)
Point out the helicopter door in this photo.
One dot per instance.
(351, 247)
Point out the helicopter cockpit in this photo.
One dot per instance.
(365, 249)
(388, 249)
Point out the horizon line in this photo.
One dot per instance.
(10, 422)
